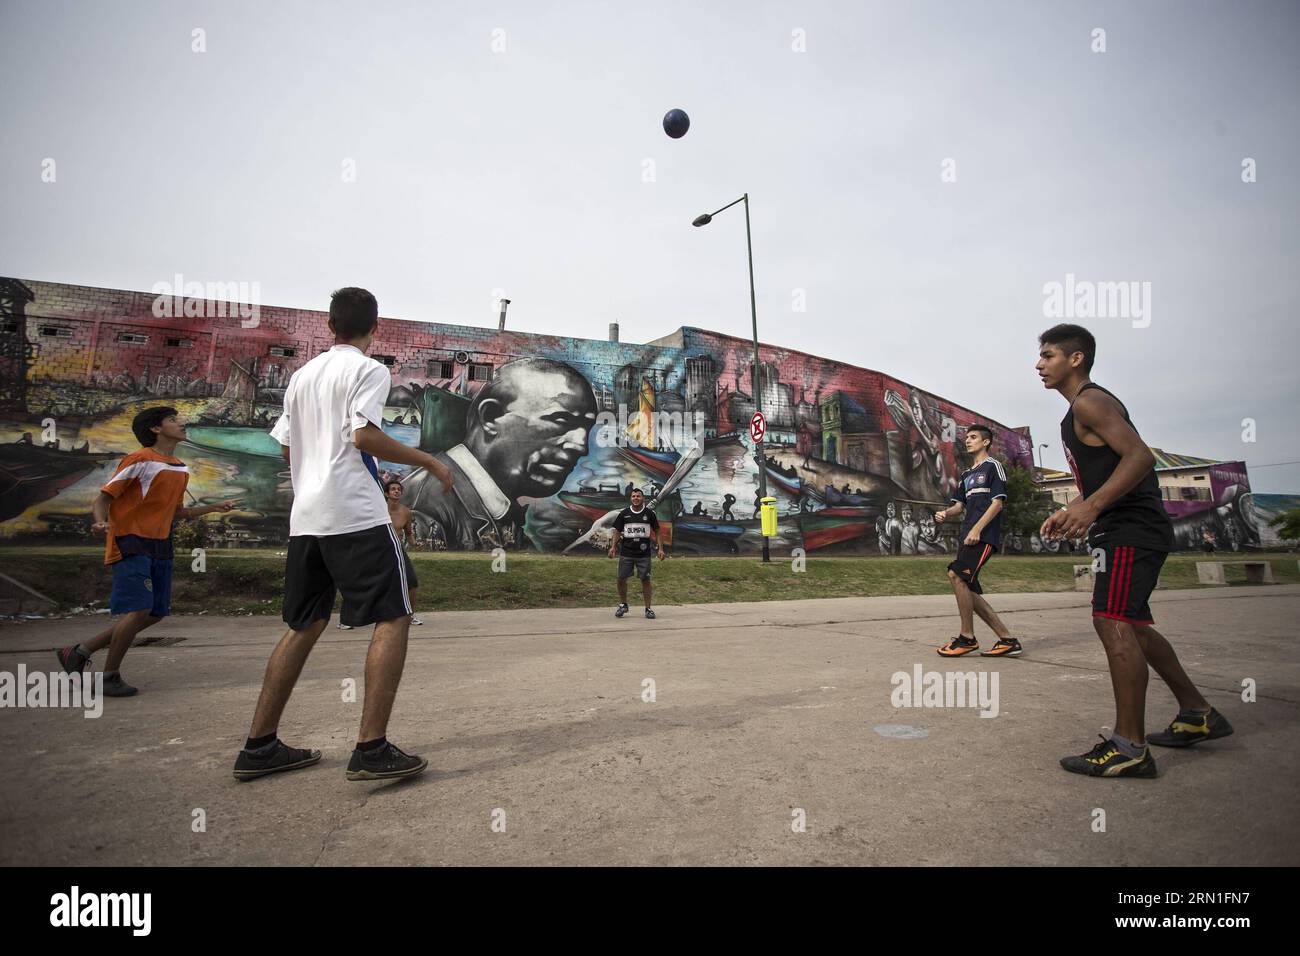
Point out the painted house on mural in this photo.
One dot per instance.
(1203, 497)
(858, 460)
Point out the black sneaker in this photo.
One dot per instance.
(649, 614)
(959, 646)
(386, 763)
(1191, 728)
(620, 610)
(116, 687)
(274, 757)
(1105, 760)
(72, 660)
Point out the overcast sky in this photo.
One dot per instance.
(504, 146)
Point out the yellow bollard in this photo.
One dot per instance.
(768, 514)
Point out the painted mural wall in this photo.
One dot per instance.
(1234, 517)
(545, 435)
(1264, 508)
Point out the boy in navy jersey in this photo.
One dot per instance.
(980, 494)
(1120, 509)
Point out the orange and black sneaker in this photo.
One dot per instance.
(1105, 760)
(959, 646)
(1005, 647)
(1191, 727)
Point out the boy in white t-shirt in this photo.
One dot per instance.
(340, 537)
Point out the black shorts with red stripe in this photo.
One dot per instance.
(1123, 580)
(970, 559)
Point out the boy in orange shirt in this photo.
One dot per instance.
(136, 509)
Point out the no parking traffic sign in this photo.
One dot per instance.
(757, 427)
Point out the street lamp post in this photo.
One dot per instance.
(1040, 455)
(761, 461)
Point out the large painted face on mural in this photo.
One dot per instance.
(529, 427)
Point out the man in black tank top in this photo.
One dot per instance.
(1119, 508)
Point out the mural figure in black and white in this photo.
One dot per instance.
(524, 433)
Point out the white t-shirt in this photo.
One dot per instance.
(333, 490)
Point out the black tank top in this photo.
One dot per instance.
(1138, 518)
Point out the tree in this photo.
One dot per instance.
(1287, 524)
(1027, 505)
(190, 533)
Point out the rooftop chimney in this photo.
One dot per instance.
(501, 322)
(613, 331)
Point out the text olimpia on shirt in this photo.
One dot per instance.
(634, 529)
(327, 399)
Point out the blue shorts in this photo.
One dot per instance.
(141, 583)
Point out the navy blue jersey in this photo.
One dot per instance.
(976, 491)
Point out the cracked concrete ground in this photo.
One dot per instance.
(536, 721)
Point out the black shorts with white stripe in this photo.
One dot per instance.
(367, 567)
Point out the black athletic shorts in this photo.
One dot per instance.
(367, 566)
(1122, 586)
(627, 564)
(411, 580)
(970, 559)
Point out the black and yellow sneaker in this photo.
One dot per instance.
(1105, 760)
(1190, 727)
(958, 646)
(1005, 647)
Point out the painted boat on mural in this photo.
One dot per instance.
(713, 526)
(656, 462)
(833, 525)
(595, 503)
(410, 420)
(697, 534)
(30, 474)
(840, 499)
(787, 483)
(227, 439)
(727, 438)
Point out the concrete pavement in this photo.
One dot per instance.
(545, 747)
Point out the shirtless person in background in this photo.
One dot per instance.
(404, 528)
